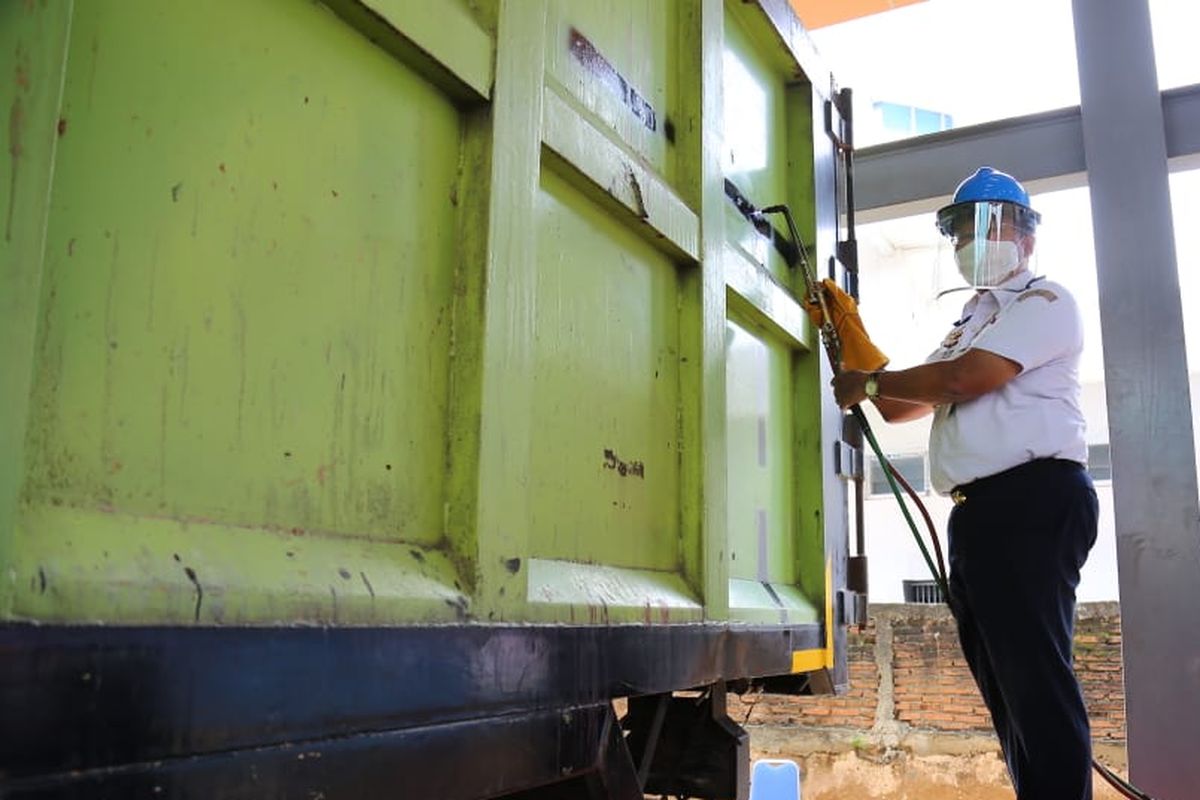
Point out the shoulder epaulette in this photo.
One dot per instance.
(1046, 293)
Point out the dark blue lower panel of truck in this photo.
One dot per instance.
(455, 711)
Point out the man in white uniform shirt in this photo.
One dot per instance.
(1007, 444)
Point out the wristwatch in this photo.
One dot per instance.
(871, 387)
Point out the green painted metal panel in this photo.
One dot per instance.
(754, 151)
(821, 532)
(451, 39)
(763, 509)
(704, 291)
(267, 366)
(574, 591)
(33, 52)
(622, 61)
(489, 459)
(604, 464)
(248, 277)
(773, 436)
(757, 602)
(761, 463)
(347, 317)
(77, 565)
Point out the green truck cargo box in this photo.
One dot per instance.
(330, 330)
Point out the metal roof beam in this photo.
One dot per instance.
(1045, 151)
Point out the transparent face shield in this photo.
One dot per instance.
(985, 244)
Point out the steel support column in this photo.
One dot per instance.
(1150, 428)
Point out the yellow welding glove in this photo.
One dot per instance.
(858, 351)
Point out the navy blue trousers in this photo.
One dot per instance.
(1017, 543)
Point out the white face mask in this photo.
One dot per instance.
(987, 265)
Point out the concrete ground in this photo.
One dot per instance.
(838, 765)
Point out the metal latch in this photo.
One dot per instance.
(847, 461)
(851, 608)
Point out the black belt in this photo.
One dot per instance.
(961, 493)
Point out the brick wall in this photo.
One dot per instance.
(1098, 667)
(908, 674)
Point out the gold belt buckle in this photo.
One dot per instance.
(958, 497)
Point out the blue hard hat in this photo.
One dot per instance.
(989, 185)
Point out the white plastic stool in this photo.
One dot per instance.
(775, 779)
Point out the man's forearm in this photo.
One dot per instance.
(900, 410)
(971, 375)
(912, 393)
(925, 384)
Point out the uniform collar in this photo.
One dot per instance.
(1001, 294)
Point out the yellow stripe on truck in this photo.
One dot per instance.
(819, 657)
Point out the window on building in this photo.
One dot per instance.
(895, 117)
(911, 467)
(1099, 462)
(929, 121)
(923, 591)
(911, 121)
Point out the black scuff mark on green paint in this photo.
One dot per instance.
(191, 574)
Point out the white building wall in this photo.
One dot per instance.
(898, 260)
(893, 556)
